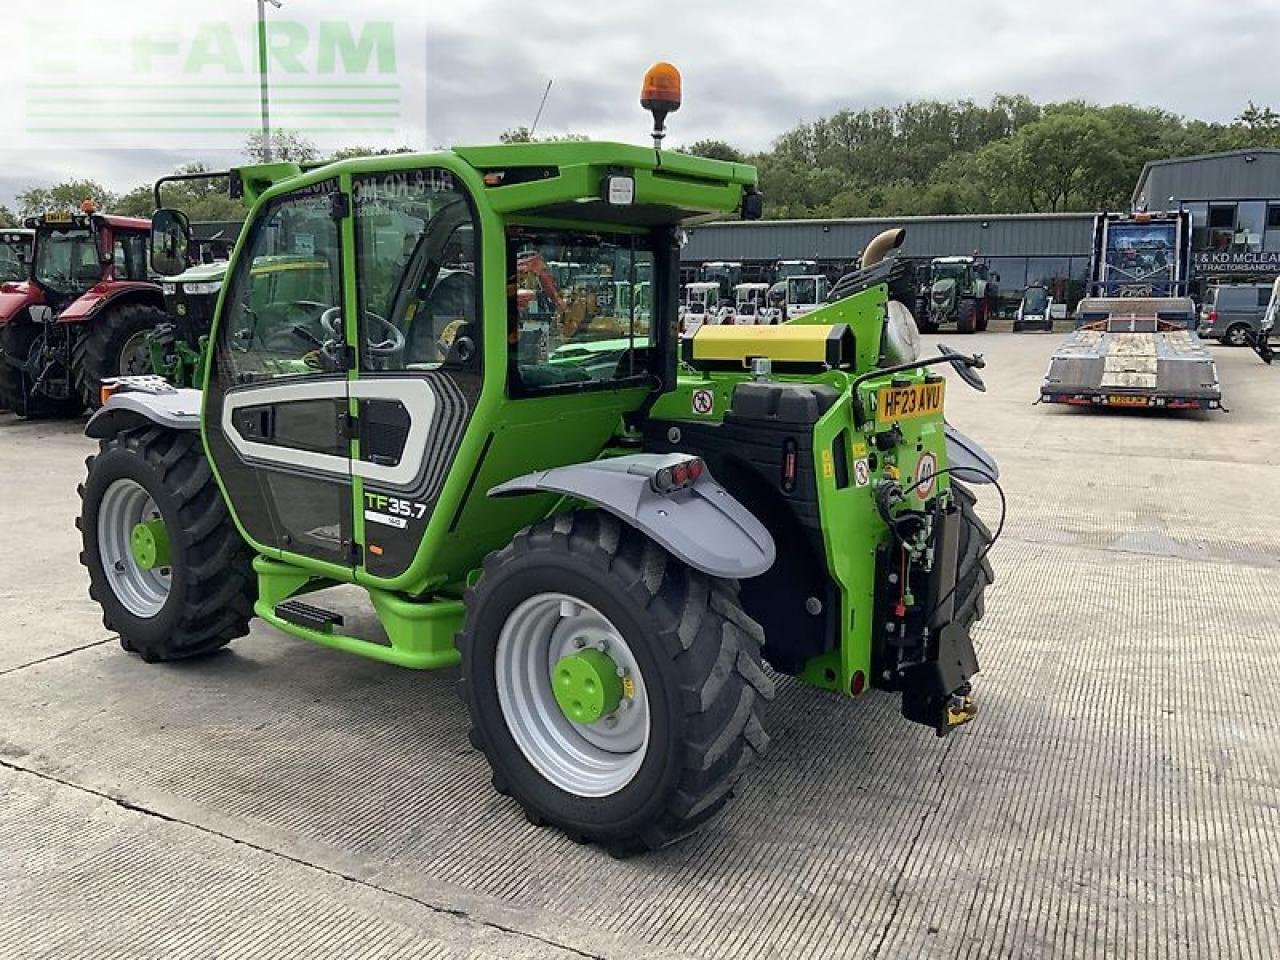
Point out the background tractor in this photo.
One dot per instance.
(586, 520)
(959, 290)
(81, 316)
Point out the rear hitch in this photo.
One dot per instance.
(958, 710)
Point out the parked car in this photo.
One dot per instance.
(1231, 312)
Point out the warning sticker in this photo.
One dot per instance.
(926, 475)
(704, 402)
(828, 465)
(861, 472)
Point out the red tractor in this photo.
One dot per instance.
(81, 316)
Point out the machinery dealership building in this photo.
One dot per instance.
(1233, 197)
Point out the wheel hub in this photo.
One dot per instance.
(587, 686)
(149, 544)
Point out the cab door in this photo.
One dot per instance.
(277, 396)
(419, 352)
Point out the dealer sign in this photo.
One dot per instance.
(1217, 264)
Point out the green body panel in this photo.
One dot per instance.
(420, 635)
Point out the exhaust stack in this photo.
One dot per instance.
(880, 246)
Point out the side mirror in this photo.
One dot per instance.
(752, 204)
(170, 242)
(995, 277)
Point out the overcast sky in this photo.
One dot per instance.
(462, 72)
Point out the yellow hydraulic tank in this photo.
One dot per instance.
(799, 346)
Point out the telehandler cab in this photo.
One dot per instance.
(610, 538)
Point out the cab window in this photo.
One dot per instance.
(578, 308)
(283, 313)
(416, 273)
(130, 256)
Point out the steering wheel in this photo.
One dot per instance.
(392, 345)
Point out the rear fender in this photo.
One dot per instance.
(700, 524)
(17, 298)
(103, 295)
(968, 461)
(143, 401)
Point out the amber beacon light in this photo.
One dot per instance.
(660, 95)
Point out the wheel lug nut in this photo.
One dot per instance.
(119, 566)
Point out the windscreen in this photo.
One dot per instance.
(1141, 260)
(67, 260)
(1035, 301)
(803, 289)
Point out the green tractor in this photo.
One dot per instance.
(960, 290)
(194, 271)
(610, 538)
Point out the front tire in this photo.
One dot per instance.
(967, 317)
(1237, 335)
(189, 589)
(114, 346)
(681, 643)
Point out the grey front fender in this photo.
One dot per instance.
(700, 524)
(144, 400)
(968, 461)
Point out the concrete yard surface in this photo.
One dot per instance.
(1117, 796)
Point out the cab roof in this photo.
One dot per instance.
(82, 220)
(563, 179)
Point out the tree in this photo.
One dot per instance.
(68, 195)
(205, 200)
(715, 149)
(525, 135)
(286, 147)
(350, 153)
(8, 218)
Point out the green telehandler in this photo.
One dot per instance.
(611, 532)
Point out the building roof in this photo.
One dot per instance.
(1248, 174)
(1016, 234)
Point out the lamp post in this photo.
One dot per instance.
(262, 74)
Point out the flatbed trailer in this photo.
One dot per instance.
(1134, 352)
(1135, 342)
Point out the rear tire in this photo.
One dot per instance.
(984, 317)
(975, 569)
(112, 348)
(205, 600)
(17, 340)
(700, 680)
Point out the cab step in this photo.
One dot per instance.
(305, 615)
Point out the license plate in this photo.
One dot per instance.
(1119, 400)
(906, 403)
(57, 216)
